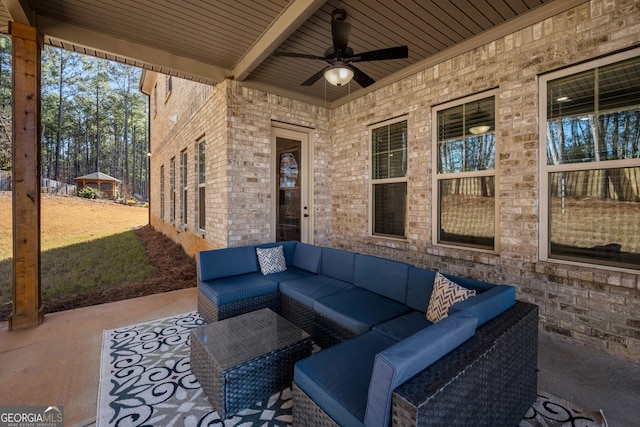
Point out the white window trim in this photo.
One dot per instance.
(172, 190)
(184, 181)
(436, 177)
(201, 185)
(545, 170)
(162, 190)
(373, 181)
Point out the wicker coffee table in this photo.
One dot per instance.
(244, 359)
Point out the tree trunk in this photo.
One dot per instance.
(97, 165)
(56, 173)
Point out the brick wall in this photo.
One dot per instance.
(236, 124)
(252, 113)
(192, 112)
(594, 306)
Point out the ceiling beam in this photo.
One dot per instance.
(20, 11)
(287, 22)
(94, 40)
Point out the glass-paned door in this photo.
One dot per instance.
(292, 210)
(289, 197)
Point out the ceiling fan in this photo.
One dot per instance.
(341, 57)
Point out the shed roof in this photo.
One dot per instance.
(98, 176)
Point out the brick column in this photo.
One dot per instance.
(27, 46)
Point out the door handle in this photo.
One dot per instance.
(306, 215)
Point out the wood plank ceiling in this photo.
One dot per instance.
(208, 40)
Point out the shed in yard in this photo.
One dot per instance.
(108, 186)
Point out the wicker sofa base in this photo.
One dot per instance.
(490, 380)
(325, 332)
(307, 413)
(212, 312)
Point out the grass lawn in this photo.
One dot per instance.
(86, 245)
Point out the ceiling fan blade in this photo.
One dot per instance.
(362, 78)
(297, 55)
(317, 76)
(340, 32)
(397, 52)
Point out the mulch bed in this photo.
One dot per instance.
(176, 270)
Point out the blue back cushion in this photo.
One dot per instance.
(477, 285)
(487, 305)
(219, 263)
(419, 288)
(338, 263)
(382, 276)
(307, 257)
(398, 363)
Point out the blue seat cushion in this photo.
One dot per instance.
(307, 257)
(419, 288)
(337, 378)
(309, 289)
(291, 273)
(358, 309)
(219, 263)
(398, 363)
(403, 326)
(338, 264)
(237, 288)
(383, 276)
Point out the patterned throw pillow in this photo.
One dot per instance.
(445, 294)
(271, 260)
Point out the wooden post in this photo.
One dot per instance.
(27, 307)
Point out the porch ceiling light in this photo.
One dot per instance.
(479, 119)
(477, 130)
(338, 74)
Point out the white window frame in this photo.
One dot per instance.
(545, 169)
(201, 183)
(172, 190)
(436, 177)
(168, 87)
(184, 180)
(162, 190)
(373, 181)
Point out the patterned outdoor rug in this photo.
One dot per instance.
(145, 380)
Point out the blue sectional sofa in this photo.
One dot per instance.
(368, 314)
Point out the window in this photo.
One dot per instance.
(464, 158)
(389, 179)
(162, 192)
(201, 184)
(590, 179)
(184, 178)
(168, 87)
(172, 190)
(155, 99)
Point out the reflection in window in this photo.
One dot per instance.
(595, 214)
(593, 164)
(288, 170)
(467, 211)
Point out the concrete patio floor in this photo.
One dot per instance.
(58, 363)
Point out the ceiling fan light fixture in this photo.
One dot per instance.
(478, 130)
(338, 74)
